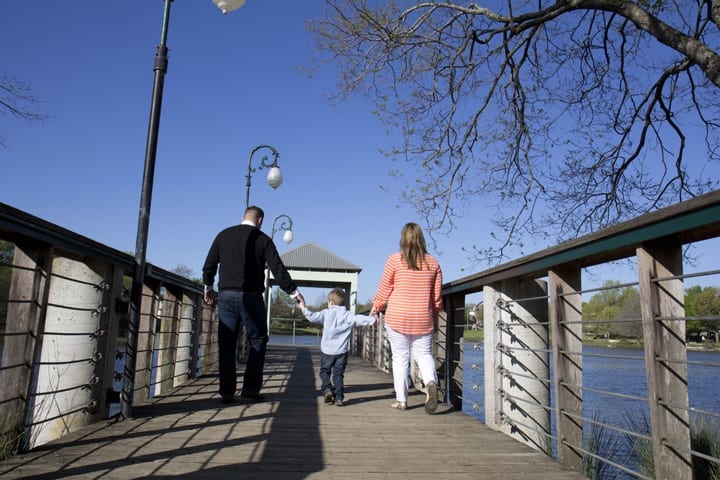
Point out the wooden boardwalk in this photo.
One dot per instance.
(188, 434)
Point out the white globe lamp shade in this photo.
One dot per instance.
(228, 5)
(288, 236)
(274, 177)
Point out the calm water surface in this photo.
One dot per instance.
(611, 369)
(615, 370)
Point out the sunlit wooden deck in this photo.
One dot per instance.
(293, 435)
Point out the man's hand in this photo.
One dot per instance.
(301, 300)
(210, 297)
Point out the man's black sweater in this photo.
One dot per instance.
(242, 251)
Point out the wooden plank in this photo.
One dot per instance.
(293, 435)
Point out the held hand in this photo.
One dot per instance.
(300, 300)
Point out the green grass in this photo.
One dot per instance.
(704, 438)
(474, 335)
(11, 436)
(284, 327)
(603, 442)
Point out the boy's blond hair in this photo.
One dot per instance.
(336, 296)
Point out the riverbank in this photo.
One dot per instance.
(477, 336)
(634, 343)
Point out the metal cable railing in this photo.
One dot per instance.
(518, 346)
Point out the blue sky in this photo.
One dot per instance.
(232, 84)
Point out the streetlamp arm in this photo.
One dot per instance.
(286, 224)
(263, 164)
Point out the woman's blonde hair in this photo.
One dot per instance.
(412, 246)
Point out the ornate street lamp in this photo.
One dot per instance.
(160, 68)
(228, 5)
(285, 224)
(274, 176)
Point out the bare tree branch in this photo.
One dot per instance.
(562, 118)
(17, 100)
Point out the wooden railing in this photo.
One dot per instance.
(67, 304)
(65, 325)
(533, 340)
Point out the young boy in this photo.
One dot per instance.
(337, 324)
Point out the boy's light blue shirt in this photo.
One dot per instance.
(337, 324)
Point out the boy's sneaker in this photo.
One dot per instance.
(329, 397)
(339, 402)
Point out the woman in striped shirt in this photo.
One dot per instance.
(409, 291)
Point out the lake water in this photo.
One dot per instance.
(603, 372)
(609, 369)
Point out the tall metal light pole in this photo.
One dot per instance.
(274, 176)
(160, 68)
(287, 225)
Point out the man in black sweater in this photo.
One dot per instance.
(242, 251)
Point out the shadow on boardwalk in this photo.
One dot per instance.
(188, 434)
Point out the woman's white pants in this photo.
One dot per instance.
(402, 346)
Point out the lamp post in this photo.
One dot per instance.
(274, 176)
(286, 224)
(160, 69)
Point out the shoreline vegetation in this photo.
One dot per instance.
(632, 343)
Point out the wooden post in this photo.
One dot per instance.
(66, 367)
(449, 355)
(25, 323)
(145, 343)
(107, 343)
(197, 334)
(493, 381)
(566, 328)
(663, 308)
(208, 338)
(184, 345)
(166, 341)
(520, 368)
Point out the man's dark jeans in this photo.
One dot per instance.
(249, 308)
(333, 365)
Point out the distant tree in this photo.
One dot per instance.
(702, 303)
(565, 117)
(363, 308)
(617, 310)
(187, 272)
(7, 252)
(283, 306)
(18, 101)
(630, 322)
(320, 302)
(603, 308)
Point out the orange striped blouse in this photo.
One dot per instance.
(412, 297)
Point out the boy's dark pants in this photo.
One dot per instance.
(333, 366)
